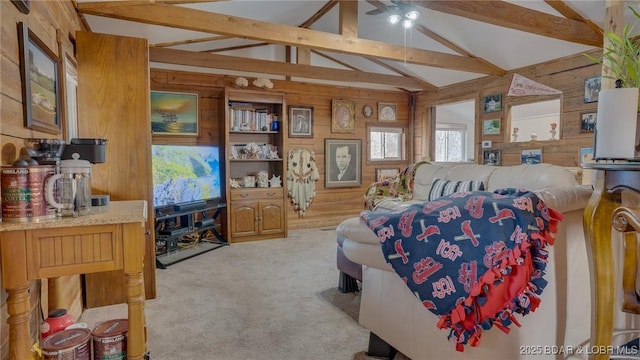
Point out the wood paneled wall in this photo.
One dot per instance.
(330, 206)
(54, 22)
(566, 75)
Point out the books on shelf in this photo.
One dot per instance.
(248, 118)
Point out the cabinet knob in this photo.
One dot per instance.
(271, 194)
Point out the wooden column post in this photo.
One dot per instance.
(613, 22)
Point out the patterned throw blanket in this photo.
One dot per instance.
(472, 258)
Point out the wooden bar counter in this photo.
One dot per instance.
(111, 238)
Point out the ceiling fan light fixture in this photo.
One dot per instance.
(412, 14)
(407, 23)
(394, 19)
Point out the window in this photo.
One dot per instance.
(451, 142)
(454, 132)
(386, 143)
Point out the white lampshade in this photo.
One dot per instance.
(616, 124)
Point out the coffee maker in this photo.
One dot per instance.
(91, 150)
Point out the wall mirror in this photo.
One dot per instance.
(537, 120)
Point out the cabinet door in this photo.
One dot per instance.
(244, 219)
(271, 217)
(113, 104)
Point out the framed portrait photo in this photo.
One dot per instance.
(387, 112)
(592, 89)
(343, 163)
(300, 121)
(491, 127)
(588, 121)
(492, 103)
(174, 113)
(343, 116)
(492, 157)
(531, 156)
(39, 70)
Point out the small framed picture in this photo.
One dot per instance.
(387, 112)
(586, 155)
(492, 103)
(592, 89)
(367, 111)
(386, 173)
(491, 157)
(531, 156)
(300, 121)
(588, 123)
(491, 127)
(343, 116)
(343, 163)
(486, 144)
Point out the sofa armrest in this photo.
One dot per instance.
(566, 198)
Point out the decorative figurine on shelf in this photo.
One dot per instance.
(275, 181)
(534, 137)
(252, 150)
(234, 153)
(273, 153)
(234, 184)
(553, 131)
(263, 179)
(515, 134)
(242, 82)
(263, 82)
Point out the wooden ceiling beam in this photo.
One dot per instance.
(564, 9)
(348, 19)
(508, 15)
(182, 57)
(192, 41)
(320, 13)
(203, 21)
(427, 85)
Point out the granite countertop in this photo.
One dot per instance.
(116, 212)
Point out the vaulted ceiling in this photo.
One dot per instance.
(337, 42)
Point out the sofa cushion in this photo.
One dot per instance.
(441, 187)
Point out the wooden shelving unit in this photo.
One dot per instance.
(254, 212)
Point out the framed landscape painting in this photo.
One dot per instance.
(491, 127)
(39, 70)
(174, 113)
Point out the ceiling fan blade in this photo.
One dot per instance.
(377, 11)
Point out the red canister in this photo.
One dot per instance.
(58, 320)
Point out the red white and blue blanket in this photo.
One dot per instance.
(472, 258)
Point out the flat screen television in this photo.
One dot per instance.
(185, 174)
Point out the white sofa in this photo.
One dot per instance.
(390, 311)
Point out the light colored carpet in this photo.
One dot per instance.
(262, 300)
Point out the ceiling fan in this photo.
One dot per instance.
(398, 11)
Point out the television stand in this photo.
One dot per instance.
(182, 234)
